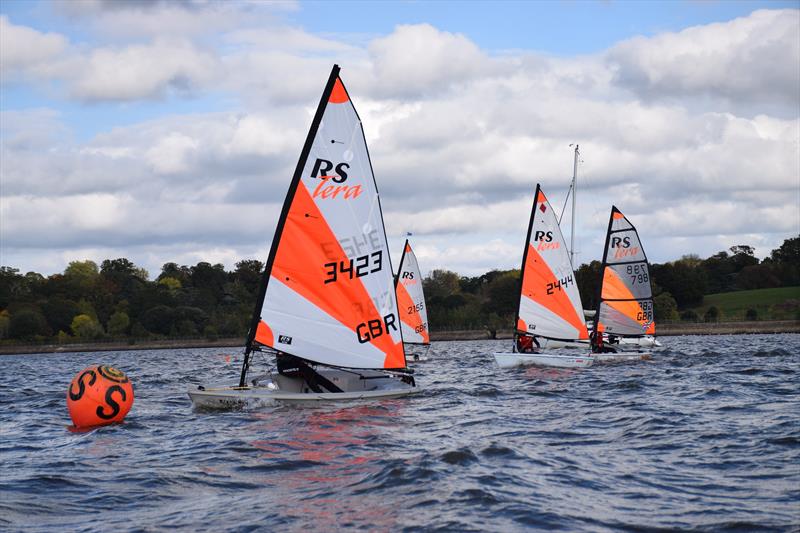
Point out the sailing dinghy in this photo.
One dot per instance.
(411, 304)
(549, 302)
(625, 303)
(326, 308)
(621, 343)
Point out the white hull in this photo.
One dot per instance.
(364, 385)
(624, 343)
(417, 353)
(512, 359)
(552, 344)
(648, 341)
(605, 358)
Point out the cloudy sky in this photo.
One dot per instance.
(168, 131)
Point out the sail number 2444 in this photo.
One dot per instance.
(560, 284)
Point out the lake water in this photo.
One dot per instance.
(704, 437)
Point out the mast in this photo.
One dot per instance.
(574, 194)
(599, 299)
(400, 266)
(287, 203)
(522, 268)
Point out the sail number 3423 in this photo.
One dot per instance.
(354, 268)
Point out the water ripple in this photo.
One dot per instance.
(705, 437)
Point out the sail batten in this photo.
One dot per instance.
(411, 299)
(550, 304)
(327, 292)
(625, 303)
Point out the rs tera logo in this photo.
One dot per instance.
(284, 339)
(620, 242)
(623, 247)
(325, 189)
(322, 166)
(545, 240)
(408, 275)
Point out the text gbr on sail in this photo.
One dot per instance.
(374, 328)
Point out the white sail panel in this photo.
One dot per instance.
(548, 280)
(330, 294)
(546, 320)
(328, 337)
(411, 299)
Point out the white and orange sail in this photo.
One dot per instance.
(411, 299)
(550, 303)
(327, 295)
(625, 306)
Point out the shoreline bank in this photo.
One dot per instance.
(236, 343)
(665, 330)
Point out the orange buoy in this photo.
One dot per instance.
(99, 395)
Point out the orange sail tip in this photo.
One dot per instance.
(522, 326)
(541, 198)
(264, 334)
(338, 94)
(618, 215)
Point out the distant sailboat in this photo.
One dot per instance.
(327, 294)
(411, 304)
(622, 343)
(625, 300)
(549, 303)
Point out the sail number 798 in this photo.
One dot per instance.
(354, 268)
(638, 273)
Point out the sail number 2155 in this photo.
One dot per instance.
(354, 268)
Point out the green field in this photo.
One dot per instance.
(771, 304)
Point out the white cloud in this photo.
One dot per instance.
(143, 71)
(23, 50)
(750, 59)
(458, 139)
(172, 154)
(129, 19)
(416, 60)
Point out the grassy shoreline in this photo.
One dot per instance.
(665, 330)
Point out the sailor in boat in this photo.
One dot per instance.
(294, 367)
(525, 344)
(598, 346)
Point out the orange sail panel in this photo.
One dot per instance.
(411, 299)
(330, 293)
(550, 303)
(626, 298)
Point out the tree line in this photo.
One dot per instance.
(117, 300)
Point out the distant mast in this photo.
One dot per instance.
(574, 194)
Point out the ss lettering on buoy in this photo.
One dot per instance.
(75, 396)
(111, 402)
(99, 395)
(374, 328)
